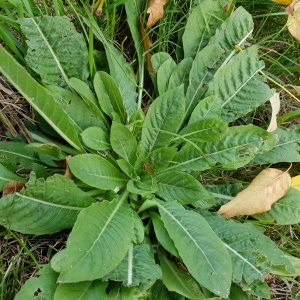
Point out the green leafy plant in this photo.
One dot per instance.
(135, 205)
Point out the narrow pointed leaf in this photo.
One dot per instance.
(203, 253)
(96, 247)
(178, 281)
(163, 75)
(180, 187)
(44, 207)
(123, 142)
(109, 96)
(201, 26)
(163, 120)
(39, 99)
(96, 171)
(50, 54)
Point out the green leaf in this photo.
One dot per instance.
(81, 290)
(44, 207)
(160, 158)
(14, 156)
(55, 50)
(137, 267)
(286, 150)
(234, 31)
(109, 96)
(163, 75)
(252, 252)
(96, 247)
(238, 87)
(201, 74)
(139, 230)
(7, 176)
(203, 253)
(179, 186)
(208, 107)
(236, 293)
(163, 119)
(162, 234)
(123, 142)
(96, 171)
(120, 71)
(95, 138)
(180, 74)
(159, 292)
(159, 58)
(203, 130)
(50, 149)
(42, 287)
(39, 99)
(286, 211)
(232, 151)
(201, 26)
(178, 281)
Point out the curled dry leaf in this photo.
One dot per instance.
(12, 187)
(293, 22)
(267, 187)
(68, 173)
(155, 11)
(275, 104)
(283, 2)
(227, 6)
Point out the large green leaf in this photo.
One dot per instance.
(201, 250)
(179, 186)
(109, 96)
(39, 99)
(44, 207)
(232, 151)
(123, 142)
(201, 74)
(163, 119)
(7, 176)
(96, 171)
(201, 26)
(252, 252)
(234, 31)
(15, 155)
(286, 211)
(178, 281)
(81, 290)
(163, 75)
(286, 150)
(96, 138)
(238, 86)
(98, 242)
(55, 50)
(42, 287)
(204, 130)
(137, 267)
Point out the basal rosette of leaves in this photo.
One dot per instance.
(136, 209)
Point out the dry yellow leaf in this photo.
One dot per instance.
(283, 2)
(293, 22)
(13, 187)
(155, 11)
(267, 187)
(296, 182)
(275, 104)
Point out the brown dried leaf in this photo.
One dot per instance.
(293, 22)
(267, 187)
(12, 187)
(68, 173)
(275, 104)
(155, 11)
(227, 6)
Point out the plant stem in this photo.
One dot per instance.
(95, 192)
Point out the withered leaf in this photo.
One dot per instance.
(275, 104)
(293, 22)
(12, 187)
(155, 11)
(267, 187)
